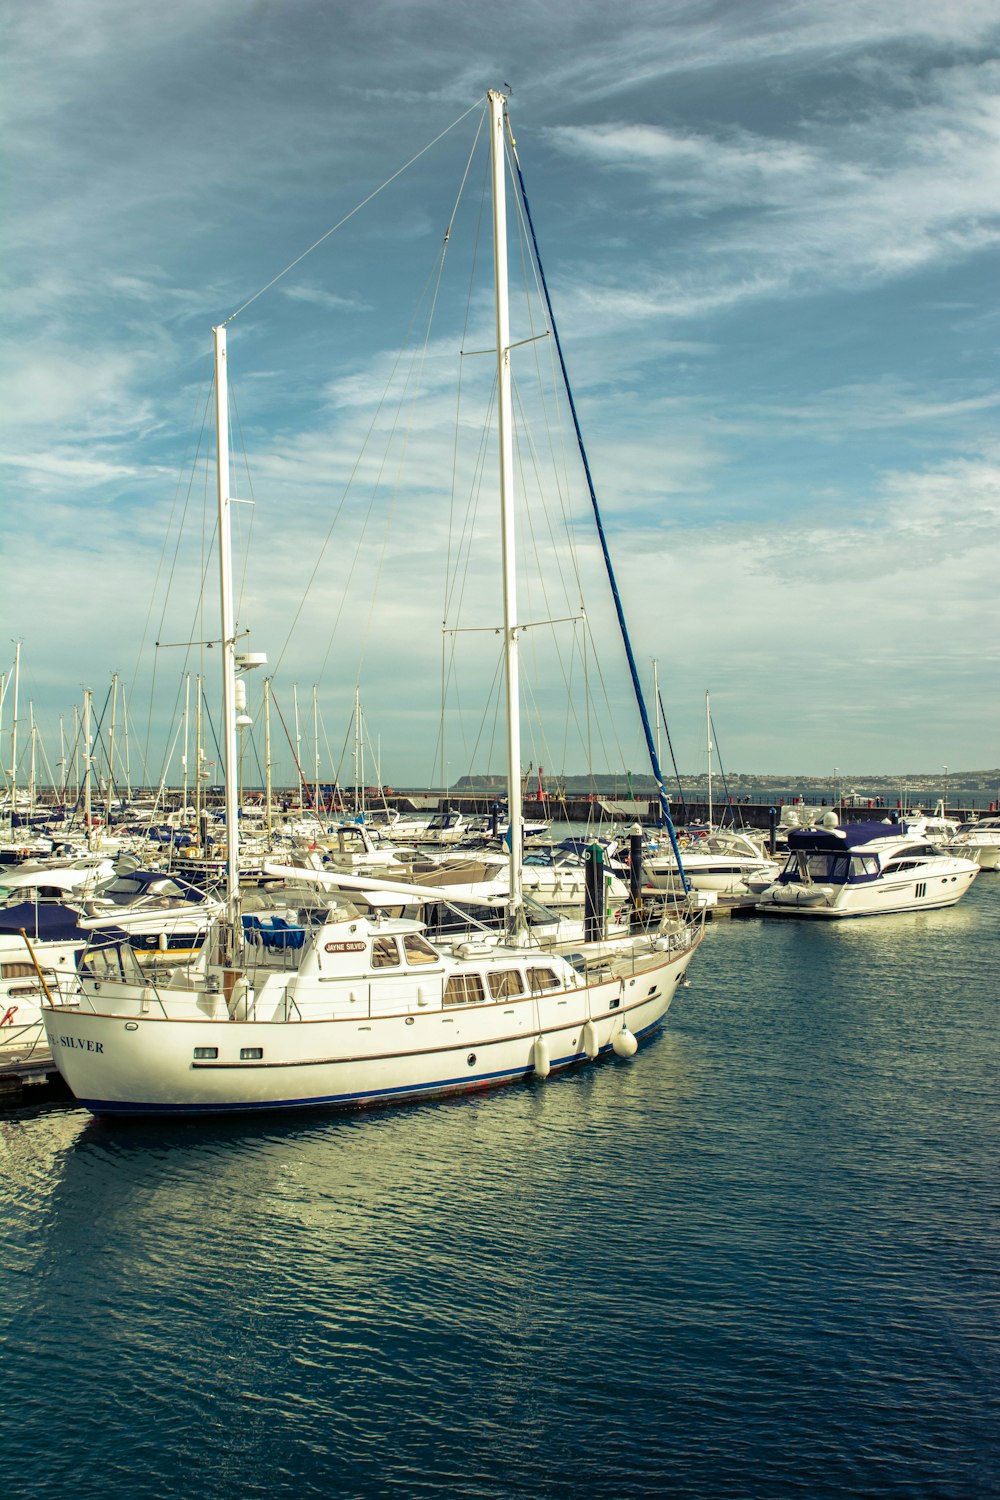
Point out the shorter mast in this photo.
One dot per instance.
(708, 738)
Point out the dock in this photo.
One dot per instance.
(29, 1076)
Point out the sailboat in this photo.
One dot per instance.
(316, 1004)
(730, 861)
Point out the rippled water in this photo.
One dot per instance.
(760, 1260)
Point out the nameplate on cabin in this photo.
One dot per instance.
(345, 947)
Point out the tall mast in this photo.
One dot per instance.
(13, 733)
(76, 752)
(199, 754)
(184, 752)
(111, 749)
(228, 632)
(515, 917)
(31, 763)
(86, 764)
(361, 758)
(656, 700)
(357, 750)
(298, 744)
(315, 754)
(128, 767)
(267, 757)
(708, 740)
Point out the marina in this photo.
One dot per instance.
(431, 1063)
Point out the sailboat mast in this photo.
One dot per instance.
(357, 749)
(128, 768)
(31, 764)
(228, 629)
(267, 758)
(298, 746)
(708, 741)
(315, 754)
(184, 753)
(498, 163)
(13, 734)
(86, 765)
(111, 749)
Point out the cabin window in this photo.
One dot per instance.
(418, 950)
(203, 1054)
(251, 1054)
(507, 982)
(464, 989)
(864, 867)
(542, 979)
(385, 954)
(17, 971)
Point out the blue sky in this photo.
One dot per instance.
(771, 234)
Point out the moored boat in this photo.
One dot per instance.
(864, 869)
(319, 1005)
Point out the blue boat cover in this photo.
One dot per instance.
(48, 922)
(836, 840)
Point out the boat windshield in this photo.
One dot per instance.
(831, 869)
(111, 961)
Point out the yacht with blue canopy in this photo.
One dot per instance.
(863, 870)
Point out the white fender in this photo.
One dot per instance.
(540, 1057)
(623, 1043)
(591, 1045)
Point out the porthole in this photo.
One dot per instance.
(471, 1059)
(131, 1025)
(203, 1054)
(251, 1054)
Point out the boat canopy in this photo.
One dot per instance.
(836, 840)
(48, 922)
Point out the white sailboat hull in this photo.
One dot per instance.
(139, 1063)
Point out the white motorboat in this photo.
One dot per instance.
(979, 840)
(322, 1005)
(724, 860)
(863, 870)
(57, 879)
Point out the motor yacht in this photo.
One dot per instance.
(863, 870)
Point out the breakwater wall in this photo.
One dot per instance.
(596, 809)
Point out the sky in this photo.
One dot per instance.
(770, 232)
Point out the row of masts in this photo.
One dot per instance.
(92, 781)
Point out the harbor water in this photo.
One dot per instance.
(758, 1260)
